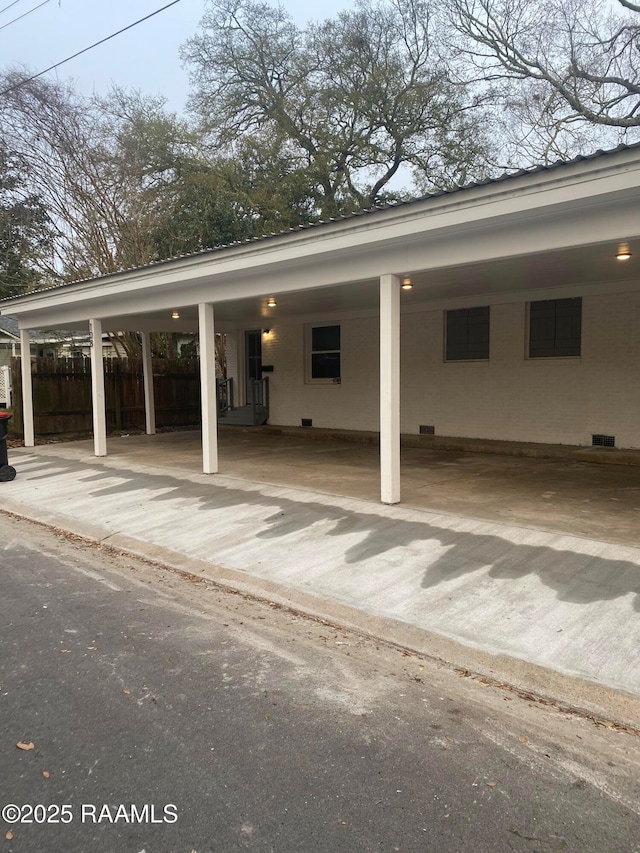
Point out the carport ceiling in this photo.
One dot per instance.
(583, 266)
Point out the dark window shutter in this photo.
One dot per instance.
(555, 327)
(478, 333)
(542, 328)
(456, 334)
(467, 334)
(568, 326)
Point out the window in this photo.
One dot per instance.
(467, 334)
(555, 328)
(325, 353)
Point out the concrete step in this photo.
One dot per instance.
(243, 416)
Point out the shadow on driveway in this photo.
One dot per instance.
(575, 576)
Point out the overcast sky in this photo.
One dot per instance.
(146, 57)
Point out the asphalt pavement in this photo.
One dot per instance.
(140, 711)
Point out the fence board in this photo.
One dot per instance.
(62, 394)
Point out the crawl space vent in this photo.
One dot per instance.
(603, 441)
(427, 430)
(307, 422)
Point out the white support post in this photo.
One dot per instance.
(206, 329)
(147, 381)
(27, 388)
(389, 389)
(97, 390)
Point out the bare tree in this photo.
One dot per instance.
(578, 63)
(99, 168)
(24, 229)
(94, 188)
(348, 102)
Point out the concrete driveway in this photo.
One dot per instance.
(514, 567)
(600, 501)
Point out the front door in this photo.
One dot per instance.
(253, 359)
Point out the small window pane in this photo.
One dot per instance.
(253, 344)
(325, 365)
(325, 338)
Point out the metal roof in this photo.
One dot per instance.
(506, 176)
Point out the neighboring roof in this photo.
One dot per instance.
(507, 176)
(9, 325)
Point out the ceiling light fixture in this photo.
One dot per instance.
(272, 302)
(623, 255)
(406, 284)
(175, 315)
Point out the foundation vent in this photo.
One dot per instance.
(427, 430)
(306, 422)
(603, 441)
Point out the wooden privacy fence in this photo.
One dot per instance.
(62, 394)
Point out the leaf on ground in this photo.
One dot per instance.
(46, 774)
(25, 746)
(127, 692)
(64, 651)
(523, 739)
(9, 835)
(492, 784)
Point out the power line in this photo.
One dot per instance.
(24, 15)
(84, 50)
(15, 2)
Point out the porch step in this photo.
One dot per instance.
(244, 416)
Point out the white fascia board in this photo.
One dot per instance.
(515, 237)
(550, 208)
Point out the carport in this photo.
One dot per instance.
(545, 234)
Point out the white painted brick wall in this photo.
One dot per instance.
(510, 397)
(351, 405)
